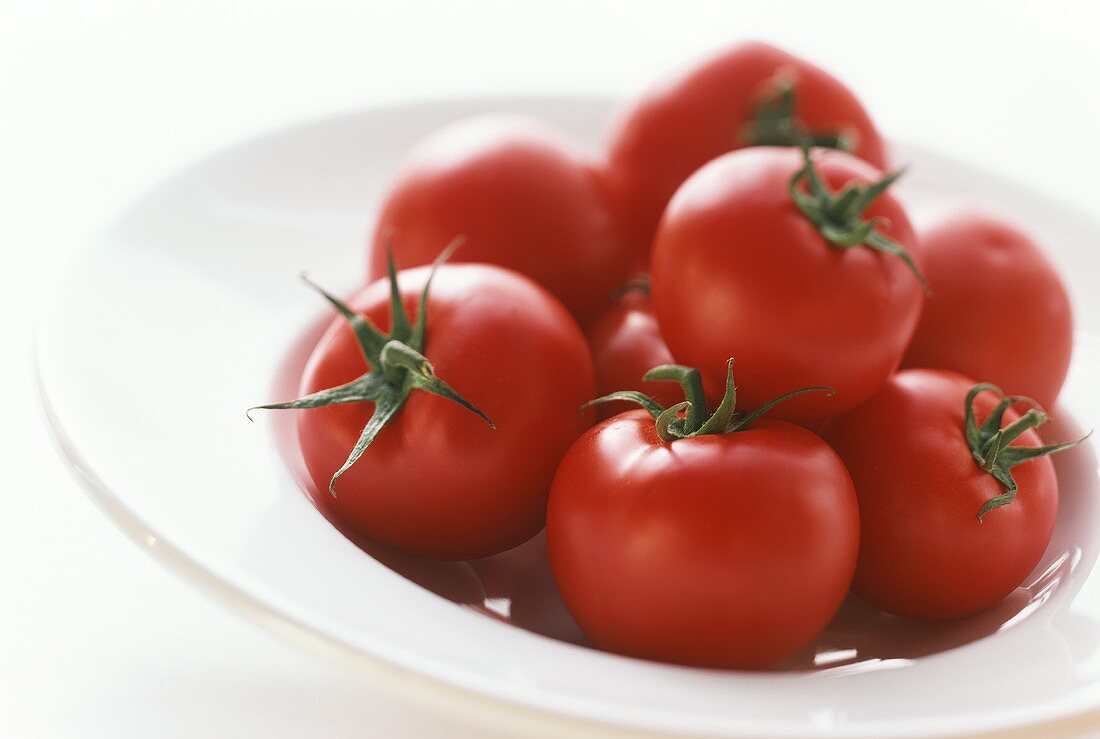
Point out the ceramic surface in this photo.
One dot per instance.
(188, 310)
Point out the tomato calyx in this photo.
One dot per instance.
(396, 365)
(838, 216)
(989, 443)
(638, 283)
(691, 417)
(774, 124)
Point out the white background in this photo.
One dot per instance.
(100, 100)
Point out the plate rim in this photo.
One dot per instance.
(388, 674)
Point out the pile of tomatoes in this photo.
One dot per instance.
(561, 346)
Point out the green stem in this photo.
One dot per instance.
(692, 383)
(839, 216)
(990, 444)
(690, 418)
(635, 283)
(669, 424)
(395, 366)
(774, 122)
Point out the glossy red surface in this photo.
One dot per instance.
(739, 271)
(626, 343)
(438, 481)
(999, 311)
(729, 550)
(701, 113)
(524, 197)
(923, 551)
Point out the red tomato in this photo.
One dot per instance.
(924, 552)
(719, 550)
(979, 264)
(626, 344)
(739, 269)
(437, 480)
(715, 107)
(523, 196)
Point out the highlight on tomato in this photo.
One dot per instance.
(957, 494)
(525, 197)
(711, 538)
(440, 434)
(976, 262)
(802, 263)
(751, 94)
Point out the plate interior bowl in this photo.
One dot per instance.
(188, 310)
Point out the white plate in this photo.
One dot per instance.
(188, 310)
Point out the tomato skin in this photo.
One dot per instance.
(700, 114)
(923, 552)
(437, 481)
(980, 266)
(728, 551)
(739, 271)
(626, 343)
(522, 195)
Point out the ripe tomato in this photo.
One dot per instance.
(523, 196)
(728, 546)
(801, 296)
(975, 262)
(438, 481)
(626, 343)
(750, 94)
(924, 550)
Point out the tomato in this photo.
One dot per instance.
(437, 480)
(626, 343)
(740, 268)
(723, 547)
(941, 537)
(980, 266)
(523, 196)
(740, 96)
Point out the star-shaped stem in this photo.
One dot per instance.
(774, 122)
(396, 365)
(691, 417)
(838, 216)
(990, 443)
